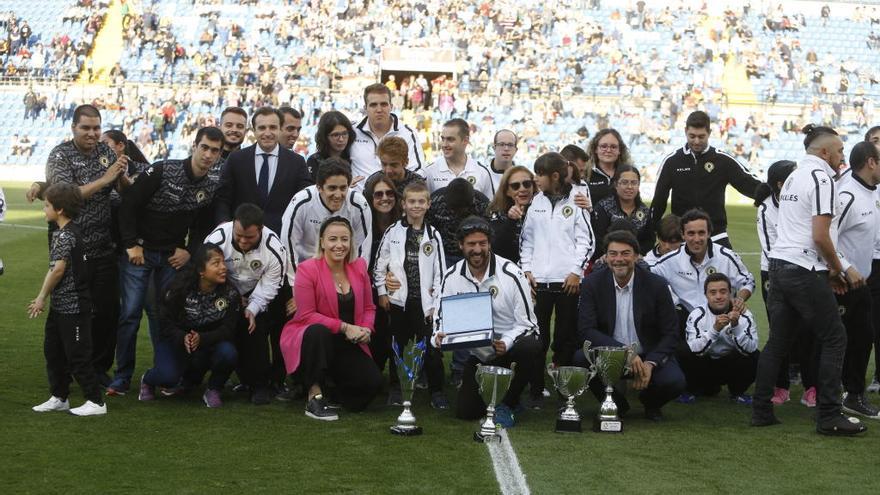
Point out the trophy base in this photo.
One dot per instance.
(568, 426)
(607, 426)
(406, 431)
(486, 438)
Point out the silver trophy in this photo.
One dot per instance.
(493, 382)
(570, 381)
(609, 364)
(408, 366)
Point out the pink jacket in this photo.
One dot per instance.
(316, 303)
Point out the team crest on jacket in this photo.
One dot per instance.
(201, 195)
(256, 265)
(640, 215)
(221, 304)
(567, 211)
(767, 285)
(711, 270)
(709, 166)
(428, 249)
(472, 180)
(841, 310)
(494, 291)
(104, 161)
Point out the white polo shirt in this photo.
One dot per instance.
(808, 192)
(438, 175)
(859, 221)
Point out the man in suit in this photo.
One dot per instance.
(265, 174)
(638, 310)
(268, 175)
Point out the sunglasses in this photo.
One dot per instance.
(528, 184)
(387, 193)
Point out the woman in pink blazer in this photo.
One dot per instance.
(329, 335)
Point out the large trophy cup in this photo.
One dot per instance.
(570, 381)
(408, 365)
(493, 382)
(609, 364)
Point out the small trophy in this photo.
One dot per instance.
(609, 364)
(493, 382)
(570, 381)
(408, 366)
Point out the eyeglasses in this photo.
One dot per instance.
(627, 183)
(505, 145)
(612, 147)
(338, 135)
(528, 184)
(387, 193)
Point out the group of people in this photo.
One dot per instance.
(296, 275)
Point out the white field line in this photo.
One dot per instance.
(507, 469)
(20, 226)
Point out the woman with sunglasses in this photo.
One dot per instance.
(334, 138)
(385, 205)
(508, 208)
(624, 203)
(607, 152)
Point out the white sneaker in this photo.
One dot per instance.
(53, 404)
(89, 409)
(874, 387)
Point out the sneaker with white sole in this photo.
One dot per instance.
(858, 404)
(146, 392)
(212, 398)
(317, 408)
(89, 409)
(780, 396)
(53, 404)
(809, 397)
(874, 387)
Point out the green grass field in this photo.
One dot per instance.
(179, 446)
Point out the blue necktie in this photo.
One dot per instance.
(263, 182)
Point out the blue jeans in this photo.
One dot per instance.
(135, 283)
(173, 364)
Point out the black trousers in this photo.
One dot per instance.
(667, 382)
(103, 273)
(67, 347)
(277, 317)
(706, 375)
(564, 330)
(525, 351)
(855, 309)
(327, 355)
(409, 323)
(801, 295)
(804, 352)
(254, 351)
(874, 286)
(380, 343)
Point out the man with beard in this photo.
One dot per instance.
(291, 126)
(504, 145)
(233, 123)
(515, 328)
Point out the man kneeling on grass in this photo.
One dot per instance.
(512, 315)
(724, 343)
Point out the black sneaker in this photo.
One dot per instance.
(395, 397)
(262, 396)
(439, 401)
(316, 408)
(653, 414)
(858, 404)
(842, 426)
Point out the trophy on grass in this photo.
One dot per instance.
(493, 382)
(409, 363)
(609, 363)
(570, 381)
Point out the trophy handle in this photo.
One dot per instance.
(587, 355)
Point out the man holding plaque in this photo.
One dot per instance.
(638, 310)
(515, 329)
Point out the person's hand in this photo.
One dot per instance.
(391, 282)
(357, 179)
(36, 307)
(33, 192)
(500, 347)
(582, 201)
(854, 278)
(438, 338)
(429, 315)
(252, 320)
(721, 321)
(734, 317)
(191, 341)
(739, 305)
(515, 212)
(179, 258)
(290, 308)
(641, 373)
(572, 284)
(353, 333)
(384, 303)
(838, 282)
(135, 255)
(114, 171)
